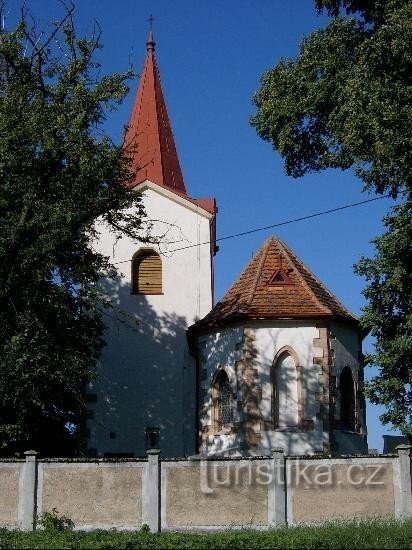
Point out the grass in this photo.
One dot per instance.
(371, 534)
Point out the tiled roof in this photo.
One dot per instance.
(275, 285)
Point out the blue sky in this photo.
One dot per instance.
(211, 54)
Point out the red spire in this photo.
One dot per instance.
(149, 138)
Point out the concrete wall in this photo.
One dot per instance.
(214, 494)
(93, 495)
(256, 492)
(147, 377)
(10, 473)
(341, 489)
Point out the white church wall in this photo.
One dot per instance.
(286, 385)
(223, 349)
(147, 376)
(346, 348)
(220, 350)
(186, 273)
(269, 340)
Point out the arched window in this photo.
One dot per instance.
(146, 273)
(347, 400)
(285, 392)
(223, 401)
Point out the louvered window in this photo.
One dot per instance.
(147, 273)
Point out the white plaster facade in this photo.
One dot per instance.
(347, 353)
(224, 348)
(147, 377)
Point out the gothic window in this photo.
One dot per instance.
(146, 273)
(223, 401)
(347, 400)
(285, 392)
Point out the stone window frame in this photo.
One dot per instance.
(356, 422)
(134, 276)
(217, 429)
(301, 423)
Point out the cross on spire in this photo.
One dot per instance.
(150, 44)
(150, 20)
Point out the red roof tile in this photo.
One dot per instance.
(275, 285)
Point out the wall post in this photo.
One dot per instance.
(276, 488)
(404, 465)
(28, 493)
(151, 491)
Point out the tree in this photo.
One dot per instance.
(388, 312)
(344, 102)
(59, 173)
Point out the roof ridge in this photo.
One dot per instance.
(264, 250)
(310, 292)
(159, 113)
(318, 281)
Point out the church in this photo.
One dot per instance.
(276, 363)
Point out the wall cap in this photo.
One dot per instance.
(404, 448)
(30, 453)
(153, 451)
(277, 450)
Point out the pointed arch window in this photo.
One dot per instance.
(146, 273)
(285, 392)
(223, 401)
(347, 400)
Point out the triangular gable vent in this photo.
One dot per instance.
(280, 277)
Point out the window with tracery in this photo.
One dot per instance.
(223, 402)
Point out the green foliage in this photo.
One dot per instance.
(59, 173)
(372, 534)
(345, 102)
(389, 313)
(52, 521)
(371, 11)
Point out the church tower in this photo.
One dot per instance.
(145, 394)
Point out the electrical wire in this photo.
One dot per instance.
(279, 224)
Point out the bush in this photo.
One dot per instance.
(52, 521)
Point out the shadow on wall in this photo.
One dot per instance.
(142, 376)
(286, 397)
(251, 370)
